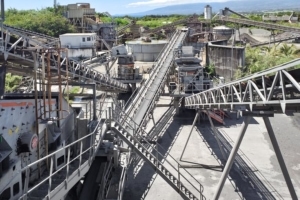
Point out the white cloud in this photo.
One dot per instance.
(169, 2)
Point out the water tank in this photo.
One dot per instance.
(146, 51)
(222, 32)
(208, 12)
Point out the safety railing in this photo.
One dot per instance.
(160, 127)
(180, 176)
(255, 89)
(123, 178)
(176, 168)
(88, 154)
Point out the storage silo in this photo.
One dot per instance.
(146, 51)
(222, 32)
(208, 12)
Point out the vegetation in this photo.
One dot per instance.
(46, 21)
(150, 21)
(72, 90)
(12, 82)
(261, 58)
(153, 21)
(52, 22)
(211, 70)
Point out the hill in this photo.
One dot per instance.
(238, 6)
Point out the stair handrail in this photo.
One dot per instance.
(166, 160)
(136, 136)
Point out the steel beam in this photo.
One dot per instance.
(231, 158)
(2, 79)
(193, 125)
(280, 158)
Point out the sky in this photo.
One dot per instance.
(112, 6)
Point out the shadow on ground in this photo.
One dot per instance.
(242, 176)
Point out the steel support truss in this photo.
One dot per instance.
(276, 88)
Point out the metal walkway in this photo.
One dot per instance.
(157, 160)
(261, 90)
(18, 50)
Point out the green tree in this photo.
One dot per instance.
(44, 21)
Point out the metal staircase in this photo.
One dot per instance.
(139, 141)
(153, 158)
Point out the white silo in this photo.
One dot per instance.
(207, 12)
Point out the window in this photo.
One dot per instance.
(16, 188)
(88, 39)
(83, 39)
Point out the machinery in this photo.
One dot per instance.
(84, 18)
(191, 75)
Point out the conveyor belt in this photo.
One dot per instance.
(260, 24)
(157, 79)
(19, 31)
(259, 91)
(15, 52)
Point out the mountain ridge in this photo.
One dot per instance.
(238, 6)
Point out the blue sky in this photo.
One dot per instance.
(111, 6)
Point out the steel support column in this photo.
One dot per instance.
(194, 122)
(231, 158)
(176, 105)
(280, 158)
(94, 103)
(2, 79)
